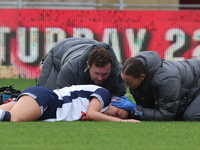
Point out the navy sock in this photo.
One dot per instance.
(5, 115)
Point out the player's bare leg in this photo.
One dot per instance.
(26, 109)
(7, 106)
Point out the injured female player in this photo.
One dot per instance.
(78, 102)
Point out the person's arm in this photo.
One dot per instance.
(94, 114)
(65, 76)
(168, 92)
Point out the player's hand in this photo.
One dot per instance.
(131, 120)
(83, 118)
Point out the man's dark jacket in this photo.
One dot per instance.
(169, 87)
(65, 65)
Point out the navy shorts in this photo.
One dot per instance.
(46, 98)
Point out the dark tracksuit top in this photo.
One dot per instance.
(66, 65)
(169, 87)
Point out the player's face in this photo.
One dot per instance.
(132, 82)
(116, 112)
(99, 74)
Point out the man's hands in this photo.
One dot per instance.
(124, 102)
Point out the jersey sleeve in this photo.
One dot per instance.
(103, 96)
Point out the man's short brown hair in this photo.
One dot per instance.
(100, 57)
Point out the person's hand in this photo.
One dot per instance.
(124, 102)
(83, 118)
(131, 120)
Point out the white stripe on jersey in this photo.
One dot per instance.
(71, 109)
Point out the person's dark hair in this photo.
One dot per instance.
(133, 67)
(100, 57)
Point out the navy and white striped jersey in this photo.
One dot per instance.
(75, 99)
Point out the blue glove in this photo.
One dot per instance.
(125, 103)
(140, 114)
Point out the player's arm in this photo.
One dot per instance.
(94, 114)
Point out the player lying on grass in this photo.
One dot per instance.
(79, 102)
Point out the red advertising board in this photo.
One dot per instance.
(26, 35)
